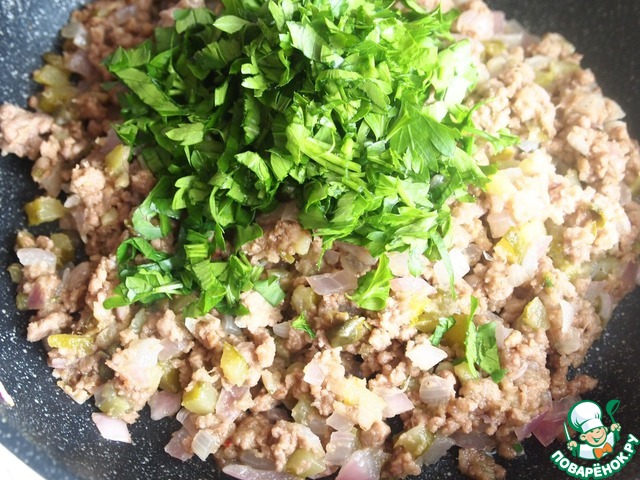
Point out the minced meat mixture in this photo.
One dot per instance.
(547, 250)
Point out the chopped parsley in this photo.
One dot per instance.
(349, 107)
(301, 323)
(444, 324)
(481, 348)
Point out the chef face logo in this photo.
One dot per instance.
(595, 442)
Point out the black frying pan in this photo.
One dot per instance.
(57, 438)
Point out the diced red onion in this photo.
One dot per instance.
(399, 264)
(79, 63)
(363, 465)
(172, 349)
(318, 425)
(536, 250)
(499, 21)
(526, 430)
(164, 404)
(478, 22)
(630, 274)
(337, 282)
(182, 415)
(230, 327)
(339, 422)
(477, 440)
(252, 459)
(72, 201)
(412, 285)
(340, 447)
(205, 443)
(606, 307)
(227, 405)
(425, 356)
(358, 252)
(436, 451)
(528, 146)
(435, 390)
(190, 324)
(123, 14)
(550, 426)
(138, 362)
(568, 313)
(245, 472)
(313, 374)
(52, 182)
(331, 257)
(33, 256)
(282, 329)
(500, 223)
(517, 275)
(36, 299)
(176, 447)
(502, 332)
(459, 264)
(75, 30)
(5, 397)
(111, 428)
(397, 402)
(59, 363)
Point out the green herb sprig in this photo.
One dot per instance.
(349, 107)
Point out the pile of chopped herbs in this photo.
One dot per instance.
(350, 108)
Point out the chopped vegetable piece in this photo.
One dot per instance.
(234, 366)
(201, 399)
(109, 402)
(44, 209)
(534, 315)
(66, 248)
(348, 333)
(416, 440)
(304, 463)
(301, 323)
(444, 325)
(80, 344)
(15, 272)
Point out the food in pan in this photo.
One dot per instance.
(327, 236)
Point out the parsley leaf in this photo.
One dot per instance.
(373, 287)
(271, 291)
(301, 323)
(481, 348)
(444, 324)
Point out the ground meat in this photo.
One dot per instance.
(22, 132)
(479, 465)
(283, 242)
(41, 328)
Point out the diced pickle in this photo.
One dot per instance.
(117, 165)
(15, 272)
(51, 75)
(66, 249)
(111, 403)
(54, 59)
(416, 441)
(44, 209)
(170, 380)
(304, 463)
(463, 372)
(304, 299)
(303, 410)
(457, 334)
(21, 301)
(348, 333)
(80, 344)
(52, 99)
(535, 315)
(234, 366)
(515, 243)
(201, 399)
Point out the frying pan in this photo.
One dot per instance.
(56, 437)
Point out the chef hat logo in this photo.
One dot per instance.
(585, 416)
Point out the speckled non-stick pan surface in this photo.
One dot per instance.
(56, 436)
